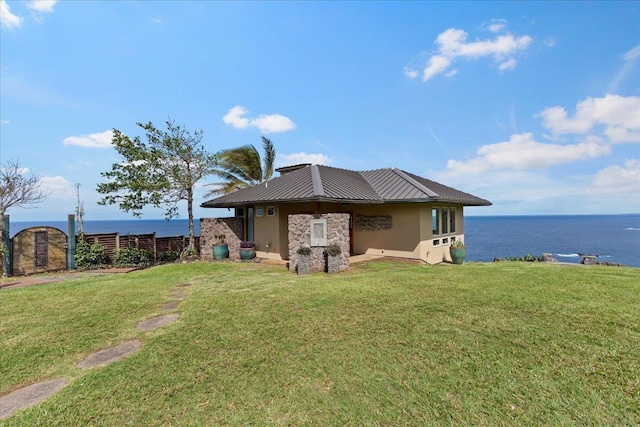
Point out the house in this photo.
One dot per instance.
(386, 212)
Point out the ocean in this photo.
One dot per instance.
(613, 238)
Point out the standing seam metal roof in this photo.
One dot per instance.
(325, 183)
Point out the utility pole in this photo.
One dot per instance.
(79, 213)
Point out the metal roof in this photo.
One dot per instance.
(328, 184)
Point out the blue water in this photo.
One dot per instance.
(614, 238)
(162, 227)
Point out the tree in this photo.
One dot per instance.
(18, 189)
(242, 167)
(161, 172)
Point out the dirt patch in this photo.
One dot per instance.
(157, 322)
(28, 396)
(110, 355)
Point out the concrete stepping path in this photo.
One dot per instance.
(110, 355)
(29, 396)
(171, 305)
(157, 322)
(36, 393)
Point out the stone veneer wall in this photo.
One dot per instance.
(300, 235)
(232, 228)
(373, 223)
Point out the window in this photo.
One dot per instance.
(271, 210)
(318, 232)
(443, 220)
(259, 211)
(452, 220)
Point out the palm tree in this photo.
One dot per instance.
(242, 167)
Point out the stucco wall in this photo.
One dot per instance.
(267, 234)
(230, 228)
(299, 234)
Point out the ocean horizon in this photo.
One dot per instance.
(612, 238)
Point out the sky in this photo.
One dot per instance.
(534, 106)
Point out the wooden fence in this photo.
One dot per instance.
(157, 245)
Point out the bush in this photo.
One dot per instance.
(169, 256)
(247, 244)
(90, 256)
(333, 250)
(304, 250)
(131, 256)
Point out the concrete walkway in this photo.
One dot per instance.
(36, 393)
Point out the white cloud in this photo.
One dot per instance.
(619, 179)
(437, 64)
(93, 140)
(509, 64)
(59, 187)
(302, 157)
(523, 152)
(42, 6)
(630, 59)
(598, 123)
(234, 117)
(496, 25)
(411, 73)
(8, 19)
(611, 111)
(6, 122)
(452, 44)
(271, 123)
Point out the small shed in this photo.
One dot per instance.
(39, 250)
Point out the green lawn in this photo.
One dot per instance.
(386, 343)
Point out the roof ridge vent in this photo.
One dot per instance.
(316, 180)
(412, 181)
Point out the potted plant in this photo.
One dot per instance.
(304, 260)
(332, 254)
(247, 250)
(220, 247)
(458, 252)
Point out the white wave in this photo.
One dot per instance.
(632, 228)
(568, 255)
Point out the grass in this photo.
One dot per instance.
(386, 343)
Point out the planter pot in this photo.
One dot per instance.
(247, 253)
(458, 255)
(220, 251)
(304, 264)
(333, 264)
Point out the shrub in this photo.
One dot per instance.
(131, 256)
(169, 256)
(247, 244)
(333, 250)
(90, 256)
(304, 250)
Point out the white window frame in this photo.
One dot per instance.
(318, 232)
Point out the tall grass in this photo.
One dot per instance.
(386, 343)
